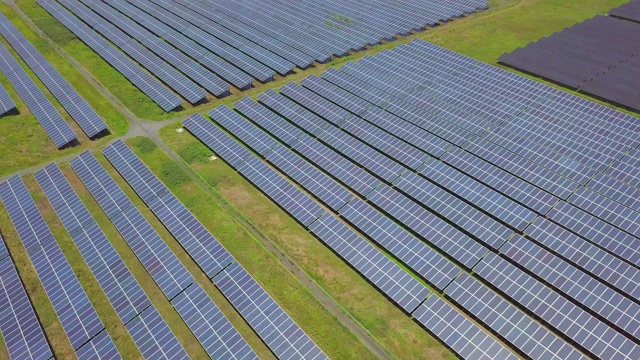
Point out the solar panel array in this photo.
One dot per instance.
(149, 331)
(70, 302)
(6, 103)
(53, 123)
(524, 193)
(88, 120)
(244, 293)
(628, 11)
(607, 50)
(370, 262)
(217, 335)
(218, 44)
(154, 89)
(20, 328)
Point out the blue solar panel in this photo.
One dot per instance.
(209, 325)
(76, 313)
(608, 210)
(294, 201)
(236, 124)
(459, 334)
(430, 265)
(144, 81)
(567, 279)
(601, 264)
(154, 64)
(271, 323)
(597, 231)
(6, 103)
(207, 252)
(163, 265)
(132, 169)
(154, 338)
(431, 228)
(118, 283)
(616, 190)
(53, 123)
(106, 192)
(513, 325)
(100, 347)
(90, 122)
(261, 115)
(19, 325)
(568, 319)
(232, 152)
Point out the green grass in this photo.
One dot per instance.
(23, 141)
(392, 328)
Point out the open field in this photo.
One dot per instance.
(23, 142)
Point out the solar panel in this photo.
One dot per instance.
(6, 103)
(142, 80)
(27, 219)
(153, 336)
(19, 325)
(616, 190)
(294, 201)
(156, 256)
(100, 347)
(236, 124)
(585, 330)
(90, 122)
(459, 334)
(597, 231)
(209, 325)
(431, 228)
(132, 169)
(53, 123)
(154, 64)
(117, 281)
(261, 115)
(271, 323)
(608, 210)
(598, 262)
(100, 184)
(207, 252)
(513, 325)
(600, 299)
(77, 316)
(429, 264)
(232, 152)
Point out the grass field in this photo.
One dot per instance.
(23, 142)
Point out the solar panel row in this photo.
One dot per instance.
(606, 48)
(628, 11)
(20, 328)
(429, 264)
(53, 123)
(6, 103)
(217, 336)
(334, 233)
(150, 61)
(88, 120)
(123, 291)
(213, 258)
(500, 143)
(142, 80)
(70, 302)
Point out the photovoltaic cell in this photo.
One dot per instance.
(513, 325)
(271, 323)
(6, 103)
(465, 338)
(141, 179)
(53, 123)
(209, 325)
(100, 347)
(90, 122)
(153, 336)
(20, 328)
